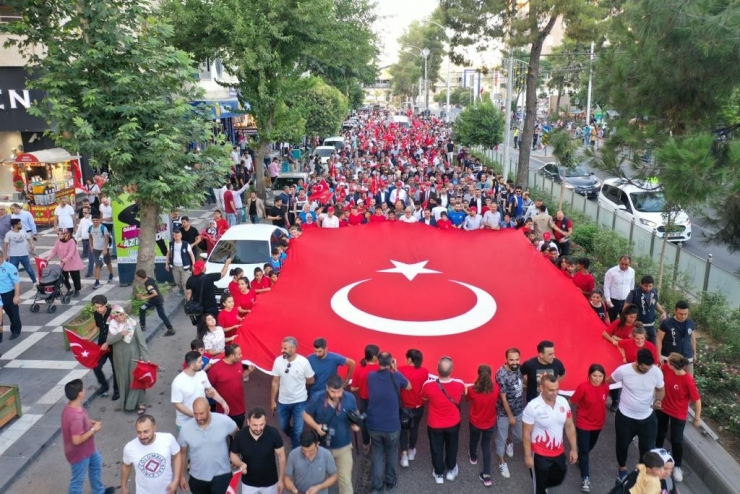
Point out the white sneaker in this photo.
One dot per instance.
(405, 461)
(510, 450)
(678, 474)
(412, 454)
(440, 479)
(452, 474)
(504, 469)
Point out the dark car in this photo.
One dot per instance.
(577, 178)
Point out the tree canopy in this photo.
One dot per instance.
(481, 124)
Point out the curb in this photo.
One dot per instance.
(17, 473)
(710, 462)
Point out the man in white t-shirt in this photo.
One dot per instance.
(329, 220)
(190, 384)
(106, 218)
(543, 421)
(155, 456)
(642, 392)
(64, 215)
(408, 216)
(291, 373)
(492, 218)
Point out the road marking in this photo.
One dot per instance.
(64, 316)
(57, 392)
(17, 429)
(42, 364)
(21, 347)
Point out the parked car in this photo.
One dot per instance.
(644, 203)
(577, 178)
(284, 179)
(324, 153)
(249, 246)
(337, 142)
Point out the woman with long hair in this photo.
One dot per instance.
(482, 397)
(621, 329)
(368, 364)
(212, 335)
(261, 283)
(590, 399)
(244, 297)
(236, 274)
(228, 317)
(412, 401)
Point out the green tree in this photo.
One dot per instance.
(569, 65)
(564, 149)
(269, 44)
(459, 96)
(481, 124)
(322, 106)
(117, 91)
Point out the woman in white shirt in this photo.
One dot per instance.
(212, 336)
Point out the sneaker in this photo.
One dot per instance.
(88, 275)
(96, 285)
(405, 461)
(473, 461)
(439, 479)
(452, 474)
(110, 278)
(143, 329)
(486, 479)
(678, 474)
(412, 454)
(585, 485)
(621, 475)
(510, 450)
(76, 294)
(504, 469)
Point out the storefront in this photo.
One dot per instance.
(43, 178)
(232, 120)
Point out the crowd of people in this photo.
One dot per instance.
(389, 172)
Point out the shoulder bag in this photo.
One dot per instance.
(404, 414)
(194, 307)
(444, 391)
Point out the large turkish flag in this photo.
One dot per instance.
(467, 295)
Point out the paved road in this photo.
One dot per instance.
(49, 472)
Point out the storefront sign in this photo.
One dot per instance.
(15, 100)
(126, 231)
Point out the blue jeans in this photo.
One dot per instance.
(254, 219)
(93, 467)
(231, 219)
(26, 262)
(87, 253)
(294, 411)
(384, 458)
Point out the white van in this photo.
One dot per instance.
(403, 120)
(337, 142)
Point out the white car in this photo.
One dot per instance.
(249, 246)
(324, 153)
(644, 203)
(337, 142)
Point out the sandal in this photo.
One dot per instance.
(169, 332)
(141, 410)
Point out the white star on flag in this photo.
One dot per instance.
(85, 353)
(410, 271)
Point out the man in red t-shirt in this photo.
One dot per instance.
(230, 205)
(355, 217)
(227, 378)
(582, 278)
(444, 395)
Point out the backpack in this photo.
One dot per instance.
(623, 486)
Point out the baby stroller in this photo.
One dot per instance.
(50, 288)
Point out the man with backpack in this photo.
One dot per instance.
(100, 242)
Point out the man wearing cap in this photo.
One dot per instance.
(547, 240)
(17, 245)
(200, 287)
(473, 221)
(329, 220)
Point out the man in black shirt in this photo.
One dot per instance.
(544, 363)
(190, 234)
(152, 298)
(101, 315)
(678, 334)
(277, 213)
(253, 451)
(200, 287)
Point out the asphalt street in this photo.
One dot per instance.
(49, 473)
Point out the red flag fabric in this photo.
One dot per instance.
(321, 192)
(234, 484)
(144, 375)
(467, 295)
(41, 263)
(85, 351)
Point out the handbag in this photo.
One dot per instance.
(404, 414)
(194, 307)
(444, 391)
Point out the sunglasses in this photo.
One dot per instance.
(287, 370)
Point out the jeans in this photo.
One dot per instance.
(87, 253)
(548, 472)
(484, 436)
(385, 449)
(231, 219)
(411, 435)
(13, 311)
(93, 467)
(586, 440)
(443, 446)
(217, 485)
(254, 218)
(504, 429)
(160, 311)
(677, 427)
(100, 375)
(627, 428)
(26, 262)
(285, 413)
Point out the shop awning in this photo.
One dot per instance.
(55, 155)
(223, 108)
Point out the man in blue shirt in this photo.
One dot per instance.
(326, 413)
(29, 224)
(10, 294)
(383, 421)
(457, 215)
(326, 364)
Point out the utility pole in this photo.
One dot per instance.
(507, 110)
(590, 83)
(425, 52)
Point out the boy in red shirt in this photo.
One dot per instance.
(629, 347)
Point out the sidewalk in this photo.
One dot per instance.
(38, 363)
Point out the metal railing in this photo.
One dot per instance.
(700, 274)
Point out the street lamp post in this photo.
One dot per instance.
(449, 51)
(425, 52)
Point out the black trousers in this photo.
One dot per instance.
(627, 428)
(75, 280)
(617, 306)
(217, 485)
(239, 419)
(548, 472)
(362, 407)
(13, 311)
(410, 435)
(100, 375)
(586, 440)
(677, 427)
(484, 437)
(443, 444)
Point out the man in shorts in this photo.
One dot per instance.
(100, 241)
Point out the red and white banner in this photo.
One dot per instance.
(467, 295)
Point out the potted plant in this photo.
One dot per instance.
(82, 324)
(10, 403)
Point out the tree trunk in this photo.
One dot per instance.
(530, 98)
(661, 263)
(263, 149)
(557, 102)
(149, 217)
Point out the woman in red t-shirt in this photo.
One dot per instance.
(359, 385)
(680, 390)
(228, 317)
(482, 396)
(628, 348)
(235, 274)
(590, 398)
(244, 297)
(260, 283)
(621, 329)
(411, 399)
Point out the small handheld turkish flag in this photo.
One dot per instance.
(321, 192)
(234, 484)
(41, 263)
(144, 375)
(85, 351)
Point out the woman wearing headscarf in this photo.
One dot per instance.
(65, 248)
(127, 345)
